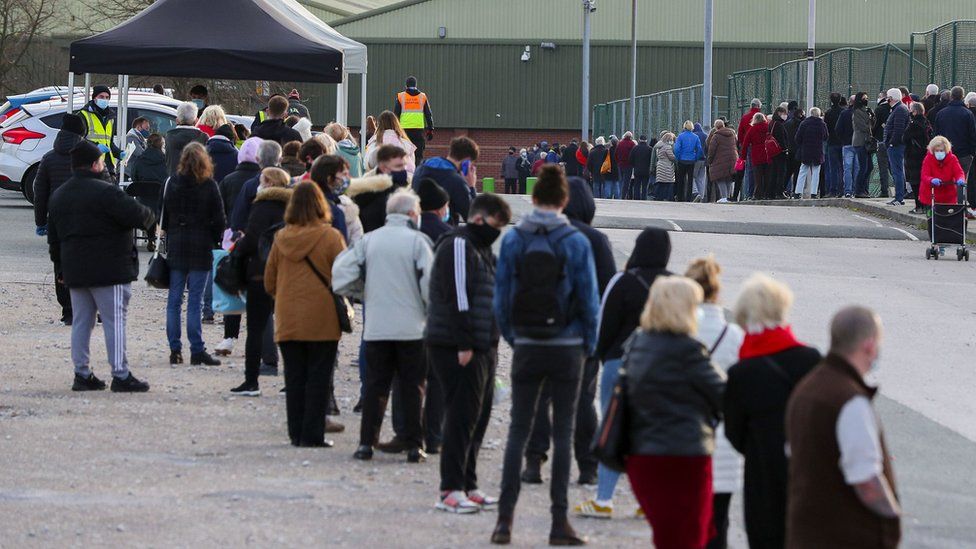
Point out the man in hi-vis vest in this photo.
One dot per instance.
(100, 119)
(413, 109)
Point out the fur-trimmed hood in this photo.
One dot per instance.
(277, 194)
(369, 184)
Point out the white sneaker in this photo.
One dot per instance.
(722, 201)
(457, 502)
(225, 347)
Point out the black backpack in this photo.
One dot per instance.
(266, 241)
(541, 304)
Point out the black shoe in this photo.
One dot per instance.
(532, 474)
(326, 443)
(395, 446)
(848, 195)
(862, 195)
(587, 478)
(90, 383)
(246, 389)
(896, 202)
(333, 426)
(432, 448)
(416, 455)
(364, 453)
(268, 370)
(358, 408)
(129, 385)
(66, 320)
(207, 319)
(563, 534)
(175, 357)
(204, 358)
(503, 531)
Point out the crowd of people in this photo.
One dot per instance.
(303, 224)
(786, 154)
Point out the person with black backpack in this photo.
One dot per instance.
(267, 214)
(546, 305)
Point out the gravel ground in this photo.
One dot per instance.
(188, 465)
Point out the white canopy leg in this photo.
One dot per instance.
(362, 119)
(71, 92)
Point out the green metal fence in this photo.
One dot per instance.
(655, 112)
(945, 56)
(845, 70)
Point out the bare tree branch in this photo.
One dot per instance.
(20, 24)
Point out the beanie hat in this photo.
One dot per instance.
(100, 89)
(293, 94)
(411, 82)
(432, 196)
(84, 154)
(72, 123)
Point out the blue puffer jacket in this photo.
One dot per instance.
(688, 148)
(582, 330)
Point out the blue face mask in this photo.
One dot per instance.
(101, 103)
(447, 216)
(144, 133)
(343, 186)
(940, 156)
(199, 103)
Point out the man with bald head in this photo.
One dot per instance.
(841, 484)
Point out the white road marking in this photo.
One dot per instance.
(674, 225)
(876, 223)
(906, 233)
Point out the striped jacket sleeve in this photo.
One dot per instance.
(461, 326)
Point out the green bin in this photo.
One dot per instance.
(530, 185)
(488, 185)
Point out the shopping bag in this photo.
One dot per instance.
(225, 302)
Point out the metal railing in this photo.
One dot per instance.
(655, 112)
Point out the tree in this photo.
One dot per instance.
(21, 22)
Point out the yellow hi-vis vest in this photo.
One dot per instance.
(412, 110)
(98, 133)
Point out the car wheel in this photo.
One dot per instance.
(27, 185)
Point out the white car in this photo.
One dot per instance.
(27, 135)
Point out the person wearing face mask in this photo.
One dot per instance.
(100, 119)
(199, 97)
(894, 130)
(862, 120)
(371, 191)
(137, 137)
(462, 341)
(457, 174)
(941, 171)
(840, 469)
(510, 172)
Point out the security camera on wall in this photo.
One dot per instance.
(527, 54)
(590, 5)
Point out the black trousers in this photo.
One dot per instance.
(232, 326)
(384, 360)
(685, 179)
(468, 394)
(433, 414)
(63, 295)
(511, 186)
(720, 518)
(533, 365)
(777, 178)
(308, 376)
(419, 140)
(586, 421)
(259, 309)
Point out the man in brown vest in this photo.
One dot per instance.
(841, 485)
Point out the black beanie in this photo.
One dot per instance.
(432, 196)
(73, 123)
(100, 89)
(84, 154)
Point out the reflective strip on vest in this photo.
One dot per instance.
(262, 116)
(412, 110)
(98, 133)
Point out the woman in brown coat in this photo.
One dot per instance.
(721, 158)
(298, 277)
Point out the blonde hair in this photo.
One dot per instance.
(338, 132)
(763, 303)
(213, 116)
(705, 271)
(938, 141)
(688, 125)
(274, 177)
(327, 142)
(672, 305)
(757, 118)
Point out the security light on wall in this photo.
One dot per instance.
(442, 32)
(527, 54)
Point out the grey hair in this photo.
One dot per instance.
(756, 103)
(971, 99)
(917, 107)
(932, 89)
(719, 124)
(186, 114)
(269, 154)
(815, 111)
(403, 201)
(852, 326)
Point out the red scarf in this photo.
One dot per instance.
(768, 342)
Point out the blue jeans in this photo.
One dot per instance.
(208, 298)
(851, 168)
(896, 161)
(607, 478)
(597, 186)
(195, 282)
(611, 188)
(834, 179)
(665, 191)
(747, 179)
(627, 191)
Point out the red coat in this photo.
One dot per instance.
(207, 130)
(744, 123)
(755, 141)
(949, 171)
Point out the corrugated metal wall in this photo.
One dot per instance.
(487, 86)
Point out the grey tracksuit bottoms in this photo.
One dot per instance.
(112, 302)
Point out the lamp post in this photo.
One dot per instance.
(811, 45)
(633, 66)
(589, 6)
(707, 76)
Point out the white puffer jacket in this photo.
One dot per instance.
(726, 462)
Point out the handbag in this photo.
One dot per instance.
(230, 272)
(344, 310)
(773, 148)
(607, 165)
(740, 164)
(871, 144)
(612, 444)
(225, 302)
(157, 274)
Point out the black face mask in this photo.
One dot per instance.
(399, 178)
(485, 233)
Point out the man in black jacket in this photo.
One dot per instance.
(90, 224)
(456, 174)
(462, 340)
(568, 159)
(274, 128)
(54, 170)
(185, 132)
(640, 159)
(834, 179)
(880, 119)
(580, 211)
